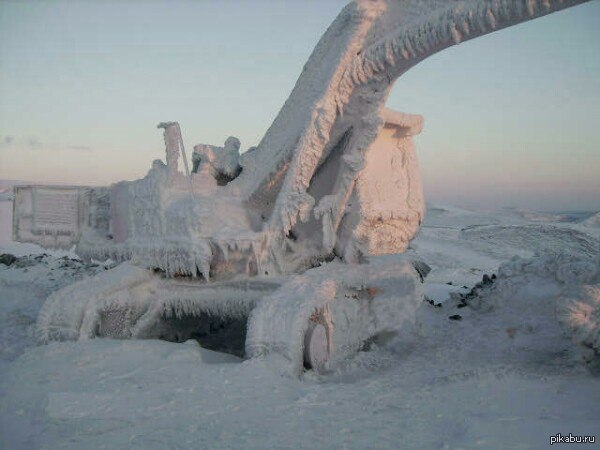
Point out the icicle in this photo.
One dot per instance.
(456, 35)
(223, 247)
(530, 7)
(491, 19)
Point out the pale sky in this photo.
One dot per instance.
(511, 119)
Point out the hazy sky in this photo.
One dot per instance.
(511, 119)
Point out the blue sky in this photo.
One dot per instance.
(511, 119)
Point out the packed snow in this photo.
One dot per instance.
(507, 363)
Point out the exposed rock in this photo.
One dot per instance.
(7, 259)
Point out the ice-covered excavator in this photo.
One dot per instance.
(269, 250)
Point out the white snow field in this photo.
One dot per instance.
(507, 375)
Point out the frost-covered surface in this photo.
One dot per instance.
(361, 301)
(387, 206)
(581, 315)
(320, 182)
(6, 223)
(314, 174)
(156, 222)
(509, 375)
(593, 221)
(204, 226)
(221, 161)
(343, 88)
(130, 302)
(63, 315)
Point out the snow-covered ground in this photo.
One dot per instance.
(502, 375)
